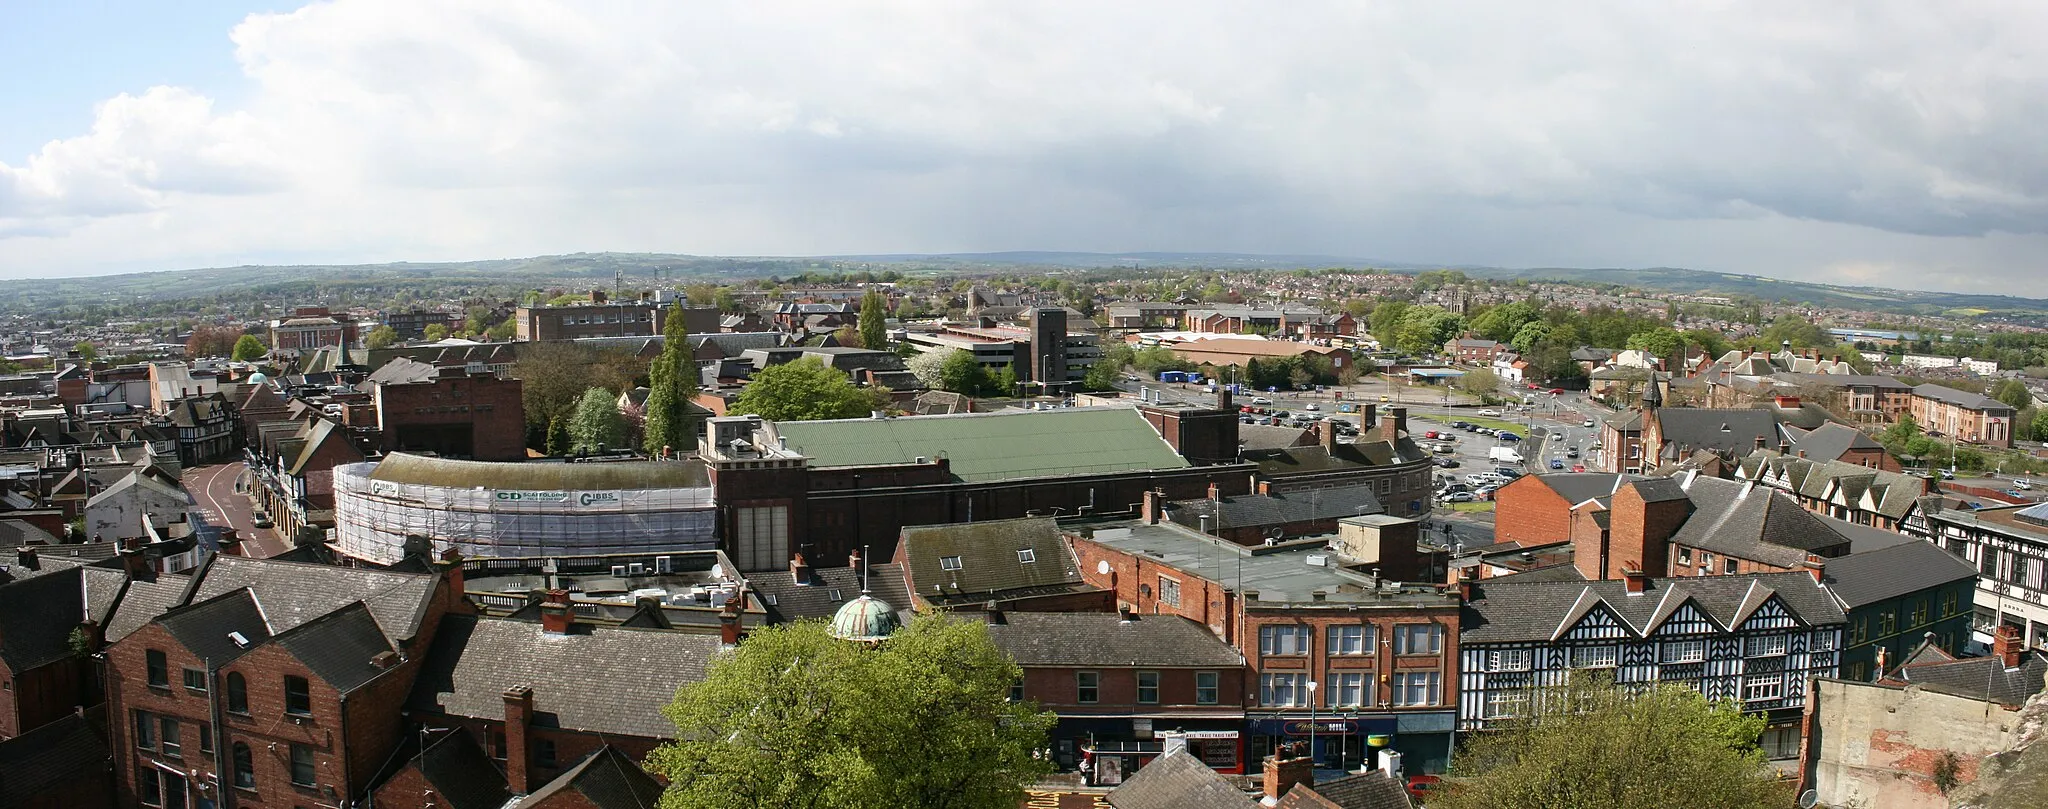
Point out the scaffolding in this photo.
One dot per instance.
(373, 519)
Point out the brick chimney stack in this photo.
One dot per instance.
(1326, 434)
(1635, 581)
(1398, 424)
(556, 614)
(518, 717)
(26, 557)
(451, 559)
(1368, 418)
(1289, 765)
(729, 621)
(2007, 647)
(1151, 509)
(799, 570)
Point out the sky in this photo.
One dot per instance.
(1877, 142)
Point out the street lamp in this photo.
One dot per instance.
(1311, 726)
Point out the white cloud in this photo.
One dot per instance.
(1894, 138)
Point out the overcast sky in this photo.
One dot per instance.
(1890, 143)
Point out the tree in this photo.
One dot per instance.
(1660, 343)
(803, 390)
(1101, 376)
(927, 366)
(86, 350)
(672, 381)
(1528, 336)
(1592, 744)
(249, 349)
(436, 332)
(962, 373)
(559, 441)
(2041, 424)
(1424, 329)
(874, 321)
(1502, 322)
(1480, 381)
(598, 424)
(504, 330)
(212, 341)
(1386, 317)
(725, 301)
(380, 337)
(2014, 394)
(553, 376)
(922, 719)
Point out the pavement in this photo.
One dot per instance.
(213, 489)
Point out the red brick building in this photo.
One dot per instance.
(43, 678)
(450, 412)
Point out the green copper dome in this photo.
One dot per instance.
(864, 619)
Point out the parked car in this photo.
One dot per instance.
(1311, 406)
(1556, 391)
(1447, 463)
(1460, 425)
(1507, 473)
(1507, 436)
(1445, 449)
(1459, 497)
(1430, 434)
(261, 519)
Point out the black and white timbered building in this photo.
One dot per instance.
(1750, 638)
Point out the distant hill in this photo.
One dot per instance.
(601, 267)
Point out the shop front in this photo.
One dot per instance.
(1108, 750)
(1351, 742)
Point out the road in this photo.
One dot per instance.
(213, 490)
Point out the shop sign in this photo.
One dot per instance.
(534, 497)
(1303, 727)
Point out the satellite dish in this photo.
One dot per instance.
(1808, 798)
(1102, 567)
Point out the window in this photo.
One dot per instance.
(1206, 687)
(1283, 690)
(169, 743)
(1169, 592)
(159, 669)
(1508, 660)
(1347, 689)
(1418, 639)
(1506, 703)
(544, 752)
(1026, 556)
(1948, 603)
(298, 701)
(1728, 566)
(1757, 687)
(1592, 657)
(174, 790)
(1824, 641)
(206, 738)
(1017, 691)
(1763, 646)
(1919, 612)
(145, 730)
(195, 680)
(149, 782)
(1416, 687)
(949, 563)
(1283, 640)
(1684, 651)
(1685, 556)
(1087, 686)
(1860, 631)
(238, 693)
(1348, 640)
(1148, 688)
(245, 767)
(302, 765)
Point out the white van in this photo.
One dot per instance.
(1506, 455)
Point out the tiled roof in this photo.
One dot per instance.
(989, 558)
(294, 593)
(1267, 436)
(1509, 611)
(1754, 522)
(595, 679)
(461, 774)
(207, 627)
(1578, 487)
(992, 446)
(1061, 639)
(1178, 780)
(1984, 678)
(1830, 441)
(53, 756)
(339, 646)
(1245, 510)
(1960, 398)
(607, 779)
(37, 616)
(789, 601)
(143, 602)
(1726, 430)
(1365, 790)
(1869, 577)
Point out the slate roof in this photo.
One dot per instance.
(989, 559)
(1658, 490)
(1892, 493)
(400, 467)
(1244, 510)
(992, 446)
(1268, 436)
(1830, 441)
(596, 679)
(36, 618)
(1178, 780)
(1578, 487)
(143, 602)
(1725, 430)
(1314, 458)
(1063, 639)
(1754, 522)
(1509, 611)
(339, 646)
(1365, 790)
(788, 601)
(16, 533)
(607, 779)
(53, 756)
(1873, 576)
(1960, 398)
(295, 593)
(1984, 678)
(204, 627)
(461, 773)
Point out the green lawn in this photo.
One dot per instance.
(1481, 505)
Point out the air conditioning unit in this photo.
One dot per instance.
(664, 564)
(637, 569)
(619, 571)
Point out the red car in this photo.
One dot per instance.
(1534, 386)
(1578, 467)
(1430, 434)
(1556, 391)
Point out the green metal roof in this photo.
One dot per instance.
(992, 446)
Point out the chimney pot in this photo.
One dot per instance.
(1289, 765)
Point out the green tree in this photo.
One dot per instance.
(1480, 381)
(1709, 340)
(2014, 394)
(250, 349)
(1660, 343)
(380, 337)
(928, 366)
(874, 317)
(1502, 322)
(503, 331)
(436, 332)
(672, 381)
(1101, 376)
(1385, 320)
(598, 423)
(559, 440)
(86, 350)
(725, 301)
(1004, 382)
(1528, 336)
(1425, 329)
(1591, 744)
(2041, 424)
(922, 719)
(803, 390)
(961, 373)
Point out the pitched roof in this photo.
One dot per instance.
(1726, 430)
(208, 628)
(1885, 573)
(1507, 610)
(460, 772)
(596, 679)
(50, 757)
(1106, 639)
(607, 779)
(1831, 441)
(37, 616)
(788, 601)
(1984, 678)
(989, 558)
(1578, 487)
(143, 602)
(338, 647)
(1178, 780)
(400, 467)
(294, 593)
(1364, 790)
(1960, 398)
(992, 446)
(1759, 523)
(1269, 436)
